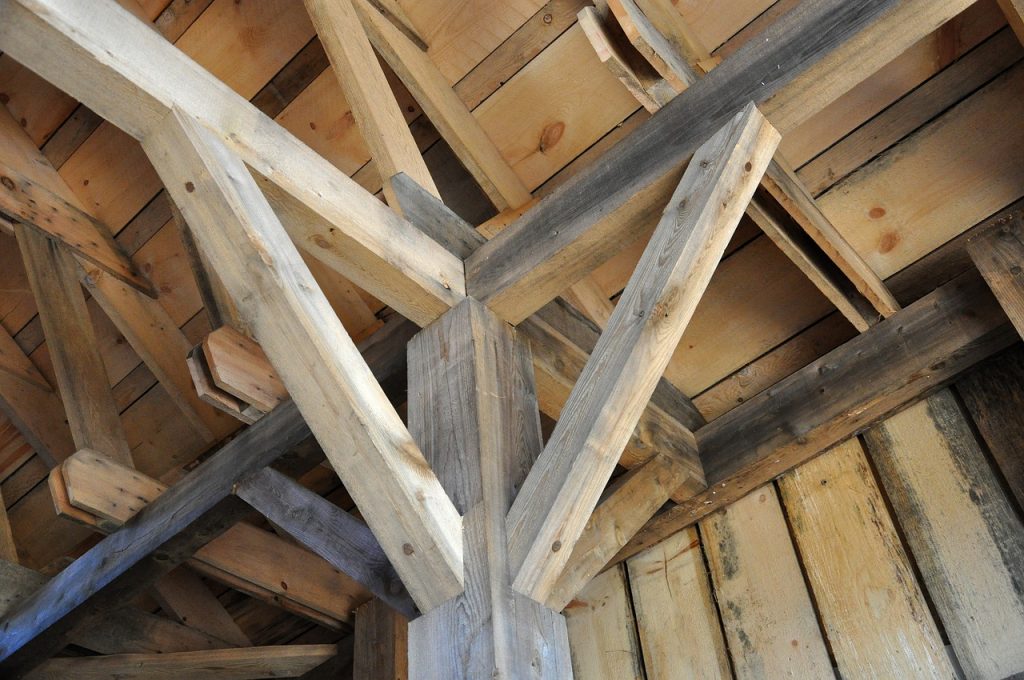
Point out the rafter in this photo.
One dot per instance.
(564, 486)
(999, 255)
(1014, 11)
(364, 439)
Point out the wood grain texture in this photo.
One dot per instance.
(381, 649)
(999, 256)
(871, 607)
(229, 664)
(472, 407)
(766, 610)
(183, 595)
(365, 440)
(340, 28)
(328, 214)
(965, 536)
(654, 44)
(676, 615)
(81, 377)
(15, 363)
(602, 631)
(239, 366)
(8, 550)
(1014, 11)
(634, 349)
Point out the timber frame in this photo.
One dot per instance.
(462, 505)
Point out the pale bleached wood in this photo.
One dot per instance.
(1014, 11)
(381, 643)
(635, 499)
(602, 631)
(81, 377)
(676, 616)
(871, 607)
(766, 611)
(183, 595)
(665, 17)
(961, 528)
(562, 490)
(446, 111)
(472, 406)
(366, 89)
(228, 664)
(654, 45)
(362, 435)
(999, 256)
(132, 77)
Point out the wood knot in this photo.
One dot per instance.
(189, 187)
(407, 549)
(556, 546)
(551, 135)
(7, 182)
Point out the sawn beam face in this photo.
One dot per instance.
(278, 298)
(816, 52)
(563, 488)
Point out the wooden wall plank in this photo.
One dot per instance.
(602, 631)
(769, 620)
(680, 632)
(871, 607)
(965, 536)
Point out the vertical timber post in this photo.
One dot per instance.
(473, 412)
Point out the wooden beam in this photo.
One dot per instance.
(564, 486)
(472, 407)
(84, 387)
(665, 18)
(366, 89)
(365, 440)
(208, 392)
(446, 110)
(183, 595)
(8, 549)
(381, 645)
(894, 363)
(161, 536)
(654, 45)
(16, 364)
(239, 366)
(289, 661)
(330, 532)
(132, 77)
(999, 255)
(1014, 11)
(812, 55)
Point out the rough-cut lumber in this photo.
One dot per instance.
(473, 408)
(667, 19)
(550, 512)
(89, 478)
(25, 202)
(252, 663)
(327, 530)
(676, 615)
(8, 550)
(965, 535)
(456, 125)
(239, 366)
(160, 537)
(636, 497)
(871, 607)
(14, 363)
(132, 77)
(999, 255)
(381, 644)
(362, 79)
(183, 595)
(81, 377)
(602, 631)
(364, 439)
(123, 631)
(803, 62)
(654, 45)
(1014, 11)
(431, 216)
(766, 610)
(209, 393)
(918, 349)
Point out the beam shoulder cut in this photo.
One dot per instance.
(564, 486)
(279, 300)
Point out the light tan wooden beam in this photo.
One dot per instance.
(14, 363)
(1014, 11)
(132, 77)
(362, 435)
(362, 79)
(563, 488)
(239, 366)
(289, 661)
(664, 17)
(183, 595)
(653, 44)
(999, 256)
(446, 111)
(81, 378)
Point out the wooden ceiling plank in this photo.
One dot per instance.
(81, 378)
(340, 28)
(288, 661)
(613, 202)
(999, 255)
(169, 531)
(446, 110)
(327, 530)
(326, 212)
(364, 439)
(564, 486)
